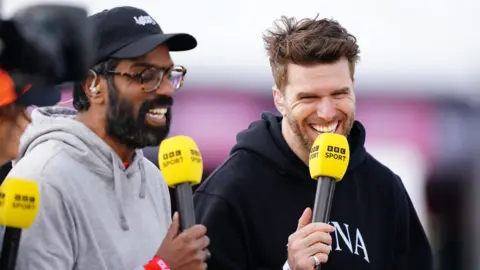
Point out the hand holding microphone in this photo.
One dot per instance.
(185, 246)
(19, 204)
(328, 162)
(310, 239)
(187, 250)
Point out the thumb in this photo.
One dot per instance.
(174, 227)
(305, 219)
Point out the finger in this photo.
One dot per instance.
(316, 237)
(305, 219)
(322, 258)
(200, 243)
(208, 254)
(206, 242)
(174, 227)
(195, 232)
(199, 256)
(314, 227)
(306, 262)
(318, 248)
(204, 255)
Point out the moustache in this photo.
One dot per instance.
(159, 101)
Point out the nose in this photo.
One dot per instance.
(165, 88)
(326, 109)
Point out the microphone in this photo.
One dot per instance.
(19, 204)
(328, 163)
(182, 166)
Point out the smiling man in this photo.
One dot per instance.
(253, 203)
(103, 205)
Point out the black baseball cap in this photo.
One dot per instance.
(14, 90)
(129, 32)
(39, 96)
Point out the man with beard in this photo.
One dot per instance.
(253, 203)
(104, 206)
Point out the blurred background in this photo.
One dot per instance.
(417, 83)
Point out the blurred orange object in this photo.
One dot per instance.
(7, 89)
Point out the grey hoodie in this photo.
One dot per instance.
(94, 213)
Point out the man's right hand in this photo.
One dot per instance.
(310, 239)
(187, 250)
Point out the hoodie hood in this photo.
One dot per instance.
(82, 144)
(264, 138)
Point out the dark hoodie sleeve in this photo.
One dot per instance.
(412, 249)
(224, 228)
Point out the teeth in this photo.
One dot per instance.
(158, 111)
(159, 116)
(325, 129)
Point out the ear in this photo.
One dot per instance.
(99, 87)
(279, 100)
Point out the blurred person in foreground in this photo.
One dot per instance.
(260, 199)
(14, 117)
(15, 97)
(104, 206)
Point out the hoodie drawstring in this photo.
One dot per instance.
(117, 186)
(143, 180)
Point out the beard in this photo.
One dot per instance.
(132, 131)
(302, 136)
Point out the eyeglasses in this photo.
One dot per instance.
(151, 77)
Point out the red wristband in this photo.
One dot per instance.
(156, 264)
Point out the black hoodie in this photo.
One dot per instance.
(252, 203)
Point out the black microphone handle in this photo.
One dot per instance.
(185, 208)
(323, 201)
(11, 242)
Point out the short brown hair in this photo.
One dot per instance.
(308, 42)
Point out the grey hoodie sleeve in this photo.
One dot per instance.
(50, 243)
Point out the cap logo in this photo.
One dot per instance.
(144, 20)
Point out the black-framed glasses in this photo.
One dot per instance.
(150, 77)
